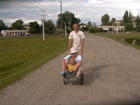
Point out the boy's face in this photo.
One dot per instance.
(72, 61)
(74, 55)
(75, 27)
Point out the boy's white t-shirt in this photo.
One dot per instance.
(76, 38)
(78, 58)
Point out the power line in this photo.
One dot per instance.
(34, 5)
(41, 5)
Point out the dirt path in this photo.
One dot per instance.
(112, 77)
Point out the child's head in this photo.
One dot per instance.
(72, 60)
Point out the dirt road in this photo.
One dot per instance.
(112, 77)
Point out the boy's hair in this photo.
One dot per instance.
(76, 24)
(71, 57)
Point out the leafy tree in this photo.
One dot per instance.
(129, 27)
(125, 17)
(113, 20)
(68, 19)
(89, 24)
(100, 29)
(93, 30)
(105, 19)
(49, 27)
(94, 24)
(110, 29)
(128, 17)
(131, 17)
(34, 27)
(127, 21)
(138, 23)
(18, 24)
(2, 25)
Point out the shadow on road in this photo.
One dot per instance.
(92, 74)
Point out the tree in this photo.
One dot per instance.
(34, 27)
(18, 24)
(125, 17)
(128, 17)
(105, 19)
(68, 19)
(94, 24)
(49, 27)
(2, 25)
(129, 27)
(138, 23)
(127, 21)
(89, 24)
(92, 30)
(113, 20)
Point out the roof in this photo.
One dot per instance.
(110, 26)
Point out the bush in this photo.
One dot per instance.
(130, 40)
(92, 30)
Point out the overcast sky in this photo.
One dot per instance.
(86, 10)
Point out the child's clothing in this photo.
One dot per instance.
(70, 67)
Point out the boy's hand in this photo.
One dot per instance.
(63, 69)
(80, 52)
(74, 69)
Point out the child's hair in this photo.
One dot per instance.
(71, 57)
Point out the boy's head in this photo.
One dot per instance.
(74, 52)
(76, 26)
(72, 60)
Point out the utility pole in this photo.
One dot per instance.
(61, 19)
(43, 27)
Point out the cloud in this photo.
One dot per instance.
(86, 10)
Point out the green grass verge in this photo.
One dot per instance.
(20, 55)
(119, 38)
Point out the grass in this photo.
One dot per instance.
(20, 55)
(120, 38)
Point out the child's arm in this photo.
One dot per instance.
(74, 67)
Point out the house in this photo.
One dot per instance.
(14, 32)
(115, 28)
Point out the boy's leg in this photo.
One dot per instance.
(78, 74)
(63, 71)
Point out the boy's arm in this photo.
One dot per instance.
(82, 46)
(64, 62)
(70, 44)
(77, 65)
(63, 65)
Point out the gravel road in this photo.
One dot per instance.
(112, 77)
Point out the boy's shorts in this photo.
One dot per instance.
(68, 73)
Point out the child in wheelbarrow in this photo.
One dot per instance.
(78, 64)
(71, 65)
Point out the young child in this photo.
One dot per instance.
(71, 64)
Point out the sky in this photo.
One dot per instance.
(86, 10)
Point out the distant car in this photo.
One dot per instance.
(14, 34)
(18, 34)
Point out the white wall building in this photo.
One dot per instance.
(115, 28)
(14, 32)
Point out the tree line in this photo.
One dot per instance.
(69, 18)
(130, 22)
(49, 27)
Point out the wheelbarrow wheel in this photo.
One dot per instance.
(82, 79)
(65, 79)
